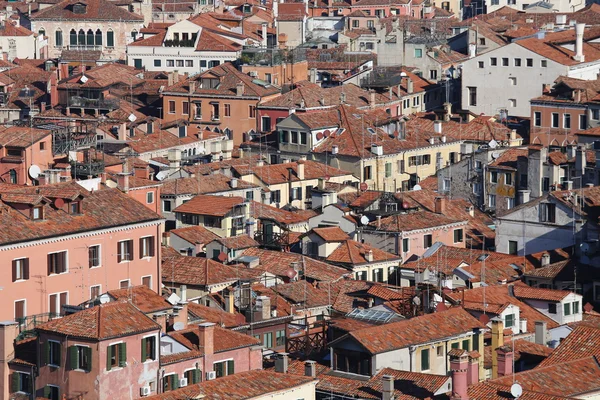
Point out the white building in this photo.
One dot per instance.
(509, 76)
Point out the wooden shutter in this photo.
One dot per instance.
(14, 270)
(122, 354)
(47, 391)
(108, 357)
(49, 264)
(144, 354)
(73, 357)
(151, 249)
(196, 374)
(141, 247)
(130, 250)
(15, 382)
(90, 257)
(26, 268)
(119, 255)
(88, 357)
(62, 262)
(53, 304)
(230, 367)
(175, 382)
(45, 352)
(63, 300)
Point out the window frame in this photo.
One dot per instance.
(120, 254)
(66, 263)
(99, 256)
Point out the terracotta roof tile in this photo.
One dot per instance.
(203, 184)
(355, 253)
(97, 10)
(523, 291)
(303, 293)
(239, 242)
(272, 174)
(491, 390)
(195, 234)
(282, 306)
(224, 339)
(218, 206)
(283, 217)
(144, 298)
(217, 316)
(581, 343)
(414, 221)
(331, 234)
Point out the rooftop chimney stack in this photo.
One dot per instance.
(282, 363)
(369, 256)
(409, 86)
(206, 331)
(437, 127)
(579, 30)
(387, 387)
(497, 341)
(310, 368)
(300, 170)
(545, 259)
(541, 333)
(440, 205)
(265, 302)
(505, 360)
(239, 89)
(264, 34)
(473, 374)
(459, 365)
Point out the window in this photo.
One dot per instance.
(189, 63)
(57, 263)
(458, 236)
(567, 121)
(552, 308)
(251, 112)
(547, 212)
(596, 114)
(146, 246)
(149, 197)
(508, 178)
(582, 122)
(227, 110)
(170, 382)
(446, 183)
(265, 124)
(268, 340)
(513, 80)
(512, 103)
(116, 356)
(166, 205)
(418, 53)
(197, 110)
(179, 63)
(137, 63)
(170, 63)
(427, 241)
(149, 348)
(94, 291)
(355, 23)
(378, 275)
(567, 309)
(482, 41)
(367, 173)
(276, 196)
(94, 256)
(492, 200)
(80, 358)
(185, 108)
(476, 188)
(147, 281)
(12, 176)
(51, 392)
(110, 39)
(125, 250)
(537, 118)
(544, 63)
(20, 269)
(21, 382)
(494, 176)
(513, 247)
(193, 376)
(433, 74)
(52, 353)
(545, 184)
(157, 63)
(510, 203)
(415, 101)
(472, 96)
(37, 213)
(171, 106)
(493, 61)
(529, 62)
(405, 245)
(424, 359)
(517, 62)
(280, 338)
(58, 38)
(509, 320)
(505, 61)
(481, 64)
(20, 310)
(439, 351)
(555, 120)
(576, 307)
(56, 301)
(388, 170)
(224, 368)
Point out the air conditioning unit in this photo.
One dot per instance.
(145, 391)
(210, 375)
(183, 382)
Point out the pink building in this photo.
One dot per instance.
(66, 245)
(20, 148)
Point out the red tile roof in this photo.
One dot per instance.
(279, 215)
(217, 316)
(144, 298)
(195, 234)
(415, 221)
(217, 206)
(105, 321)
(523, 291)
(272, 174)
(237, 242)
(97, 10)
(303, 293)
(281, 305)
(355, 253)
(493, 391)
(331, 234)
(581, 343)
(291, 12)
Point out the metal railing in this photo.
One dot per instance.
(28, 324)
(83, 102)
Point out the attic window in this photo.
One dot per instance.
(75, 207)
(79, 8)
(37, 213)
(247, 8)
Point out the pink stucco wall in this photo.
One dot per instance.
(416, 248)
(79, 277)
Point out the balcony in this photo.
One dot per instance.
(84, 169)
(103, 104)
(84, 47)
(28, 324)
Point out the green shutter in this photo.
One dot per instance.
(230, 367)
(108, 357)
(175, 382)
(46, 352)
(144, 355)
(122, 354)
(58, 349)
(219, 369)
(455, 345)
(465, 344)
(88, 351)
(196, 375)
(73, 357)
(424, 359)
(476, 342)
(47, 391)
(15, 383)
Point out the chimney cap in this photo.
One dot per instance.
(206, 324)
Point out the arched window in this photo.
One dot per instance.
(110, 38)
(58, 39)
(42, 32)
(134, 34)
(73, 37)
(98, 37)
(12, 176)
(81, 37)
(90, 38)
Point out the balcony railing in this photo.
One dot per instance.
(104, 104)
(28, 324)
(84, 47)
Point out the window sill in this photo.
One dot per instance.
(20, 280)
(61, 273)
(95, 266)
(53, 365)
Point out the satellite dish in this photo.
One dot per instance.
(178, 326)
(585, 248)
(364, 186)
(83, 79)
(405, 205)
(364, 220)
(320, 136)
(174, 299)
(493, 144)
(416, 188)
(291, 273)
(34, 171)
(495, 155)
(59, 203)
(132, 117)
(516, 390)
(484, 319)
(104, 299)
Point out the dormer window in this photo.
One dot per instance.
(37, 213)
(247, 8)
(79, 8)
(75, 207)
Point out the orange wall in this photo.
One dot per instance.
(280, 74)
(140, 194)
(31, 155)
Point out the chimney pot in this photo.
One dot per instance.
(310, 369)
(282, 363)
(387, 387)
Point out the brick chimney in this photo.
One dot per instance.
(505, 357)
(239, 89)
(497, 341)
(473, 373)
(440, 205)
(300, 170)
(206, 333)
(459, 366)
(387, 387)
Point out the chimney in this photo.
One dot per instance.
(265, 307)
(497, 341)
(174, 157)
(300, 170)
(545, 259)
(541, 333)
(369, 256)
(372, 99)
(524, 196)
(122, 133)
(580, 161)
(192, 86)
(523, 325)
(472, 50)
(54, 89)
(230, 301)
(387, 387)
(471, 211)
(170, 79)
(343, 98)
(378, 221)
(313, 75)
(264, 34)
(310, 368)
(409, 86)
(437, 127)
(161, 319)
(568, 185)
(440, 205)
(459, 365)
(473, 373)
(175, 77)
(123, 179)
(239, 89)
(233, 183)
(206, 333)
(447, 111)
(260, 163)
(505, 357)
(579, 29)
(535, 169)
(281, 363)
